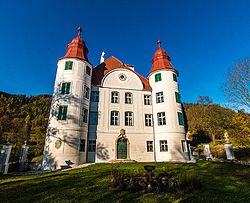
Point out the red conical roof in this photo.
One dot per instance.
(161, 59)
(77, 48)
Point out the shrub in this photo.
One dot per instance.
(218, 151)
(180, 183)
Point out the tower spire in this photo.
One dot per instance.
(161, 60)
(159, 43)
(79, 30)
(77, 47)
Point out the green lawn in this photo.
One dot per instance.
(221, 182)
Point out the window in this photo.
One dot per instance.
(157, 77)
(150, 146)
(174, 77)
(115, 97)
(159, 97)
(129, 120)
(86, 92)
(62, 113)
(177, 97)
(94, 96)
(92, 145)
(128, 98)
(184, 145)
(148, 120)
(93, 118)
(161, 118)
(88, 70)
(85, 115)
(65, 88)
(114, 118)
(163, 145)
(82, 145)
(68, 65)
(147, 99)
(180, 118)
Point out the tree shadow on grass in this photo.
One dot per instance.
(91, 184)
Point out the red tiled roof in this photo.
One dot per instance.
(161, 60)
(110, 64)
(77, 48)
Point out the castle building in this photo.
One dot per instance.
(111, 113)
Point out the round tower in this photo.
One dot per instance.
(169, 131)
(66, 139)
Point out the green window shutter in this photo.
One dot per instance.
(157, 77)
(60, 113)
(64, 113)
(68, 65)
(174, 77)
(177, 97)
(67, 88)
(63, 88)
(180, 118)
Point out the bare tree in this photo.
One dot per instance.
(237, 84)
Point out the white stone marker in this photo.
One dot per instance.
(23, 156)
(207, 152)
(4, 158)
(228, 147)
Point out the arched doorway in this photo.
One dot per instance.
(122, 148)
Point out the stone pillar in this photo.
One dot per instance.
(23, 156)
(4, 158)
(228, 147)
(229, 151)
(207, 152)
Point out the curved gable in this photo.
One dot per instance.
(122, 78)
(111, 64)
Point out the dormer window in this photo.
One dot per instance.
(68, 65)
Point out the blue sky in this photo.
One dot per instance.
(203, 39)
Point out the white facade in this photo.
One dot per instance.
(64, 135)
(113, 114)
(172, 131)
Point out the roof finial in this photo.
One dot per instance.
(102, 59)
(79, 30)
(159, 43)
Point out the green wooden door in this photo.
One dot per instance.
(122, 149)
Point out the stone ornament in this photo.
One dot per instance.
(58, 144)
(122, 77)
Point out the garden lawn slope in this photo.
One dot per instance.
(220, 182)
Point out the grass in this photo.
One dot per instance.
(221, 182)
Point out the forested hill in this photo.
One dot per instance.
(26, 117)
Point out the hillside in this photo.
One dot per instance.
(26, 117)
